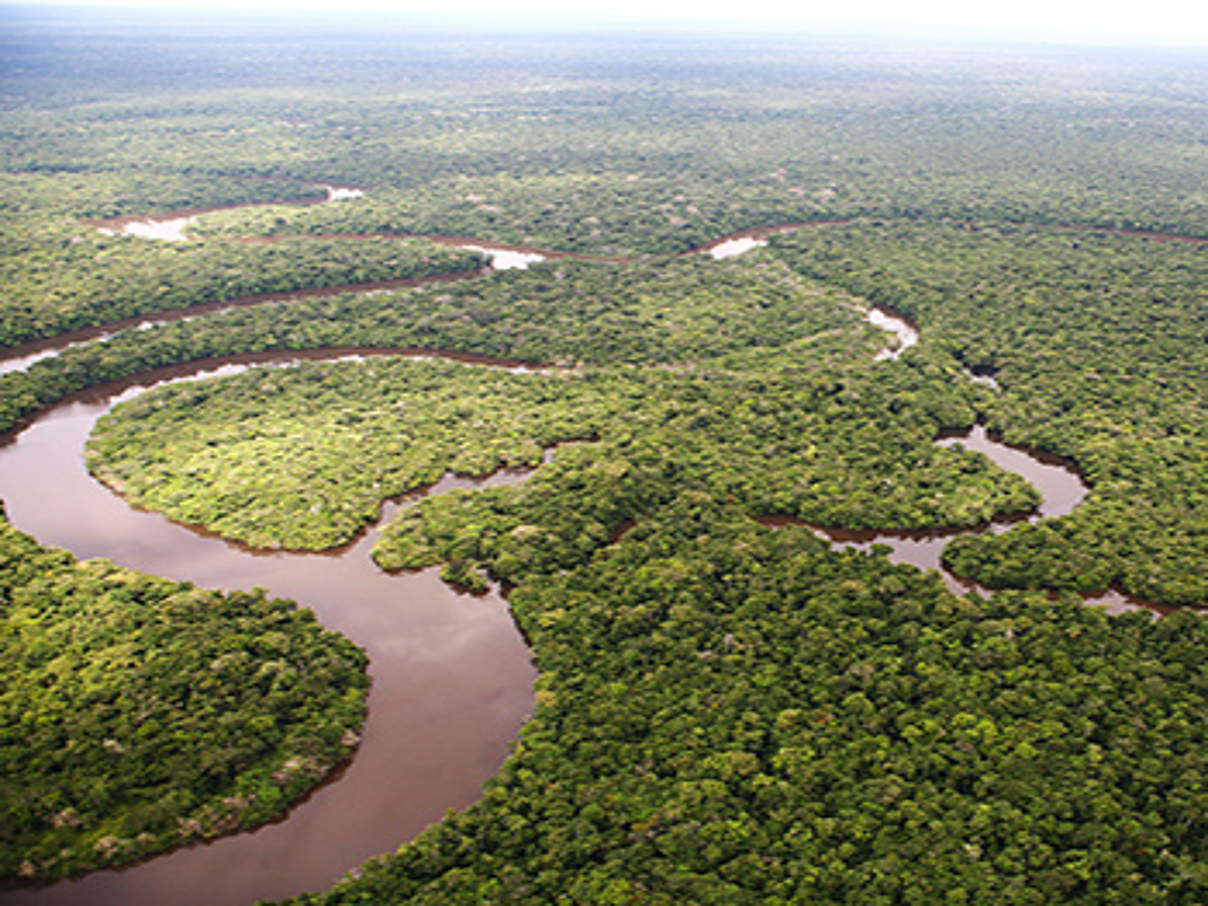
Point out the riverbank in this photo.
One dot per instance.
(451, 676)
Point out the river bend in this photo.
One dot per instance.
(452, 679)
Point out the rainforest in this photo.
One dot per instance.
(461, 468)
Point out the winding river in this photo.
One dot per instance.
(171, 227)
(452, 678)
(1061, 489)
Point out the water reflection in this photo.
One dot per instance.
(452, 679)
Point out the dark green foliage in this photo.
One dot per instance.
(1145, 529)
(729, 714)
(138, 713)
(1098, 344)
(853, 451)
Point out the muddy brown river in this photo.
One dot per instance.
(452, 678)
(1061, 489)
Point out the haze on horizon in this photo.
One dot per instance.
(1062, 21)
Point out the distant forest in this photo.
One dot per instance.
(729, 709)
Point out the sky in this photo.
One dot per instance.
(1104, 21)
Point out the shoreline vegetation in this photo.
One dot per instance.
(164, 714)
(726, 711)
(51, 344)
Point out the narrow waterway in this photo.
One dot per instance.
(452, 679)
(451, 674)
(1059, 485)
(19, 358)
(171, 227)
(502, 256)
(1061, 489)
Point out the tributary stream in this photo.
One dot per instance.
(452, 679)
(1061, 490)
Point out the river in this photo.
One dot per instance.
(171, 227)
(19, 358)
(1061, 489)
(452, 678)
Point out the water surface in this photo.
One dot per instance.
(452, 679)
(1061, 489)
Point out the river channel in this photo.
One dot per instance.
(452, 677)
(1061, 489)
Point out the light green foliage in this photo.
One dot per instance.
(138, 714)
(660, 312)
(75, 278)
(31, 186)
(302, 457)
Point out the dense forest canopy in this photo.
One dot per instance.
(146, 713)
(728, 711)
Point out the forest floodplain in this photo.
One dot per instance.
(726, 712)
(149, 713)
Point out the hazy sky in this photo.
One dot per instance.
(1180, 21)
